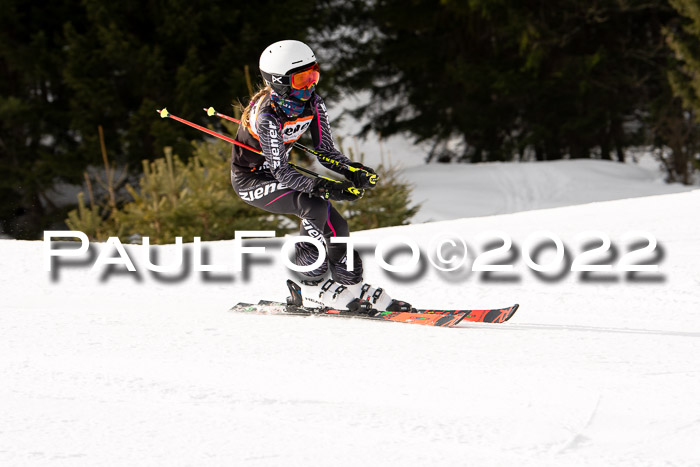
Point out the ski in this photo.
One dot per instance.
(362, 309)
(495, 315)
(441, 318)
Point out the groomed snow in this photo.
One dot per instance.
(118, 369)
(453, 191)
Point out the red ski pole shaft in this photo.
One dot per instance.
(211, 112)
(165, 114)
(373, 177)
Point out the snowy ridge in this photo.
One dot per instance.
(152, 370)
(452, 191)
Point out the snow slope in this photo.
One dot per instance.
(453, 191)
(116, 368)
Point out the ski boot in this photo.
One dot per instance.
(381, 301)
(326, 293)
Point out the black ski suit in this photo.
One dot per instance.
(268, 182)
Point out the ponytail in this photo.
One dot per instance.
(245, 118)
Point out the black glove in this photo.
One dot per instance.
(361, 176)
(337, 191)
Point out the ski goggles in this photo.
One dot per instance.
(306, 78)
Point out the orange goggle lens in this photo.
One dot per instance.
(306, 78)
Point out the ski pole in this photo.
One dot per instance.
(372, 177)
(165, 114)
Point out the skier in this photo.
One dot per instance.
(277, 116)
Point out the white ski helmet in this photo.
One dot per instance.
(281, 60)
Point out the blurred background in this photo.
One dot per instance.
(471, 81)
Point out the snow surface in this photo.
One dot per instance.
(116, 368)
(452, 191)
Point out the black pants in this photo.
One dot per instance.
(319, 219)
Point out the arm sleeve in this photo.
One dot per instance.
(270, 134)
(322, 137)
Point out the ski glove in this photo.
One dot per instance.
(337, 191)
(360, 175)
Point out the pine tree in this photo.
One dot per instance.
(501, 79)
(37, 147)
(387, 204)
(67, 67)
(178, 199)
(679, 125)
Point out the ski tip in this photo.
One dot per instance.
(210, 111)
(163, 113)
(512, 311)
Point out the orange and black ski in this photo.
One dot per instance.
(362, 309)
(496, 315)
(441, 318)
